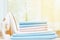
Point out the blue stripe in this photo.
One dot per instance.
(34, 34)
(23, 26)
(37, 36)
(47, 36)
(32, 23)
(29, 39)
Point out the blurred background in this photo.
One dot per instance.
(36, 11)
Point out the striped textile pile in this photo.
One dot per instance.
(33, 27)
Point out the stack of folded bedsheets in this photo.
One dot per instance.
(35, 31)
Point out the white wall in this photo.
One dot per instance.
(31, 7)
(57, 14)
(3, 9)
(34, 10)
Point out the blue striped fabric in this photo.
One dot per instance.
(32, 24)
(47, 37)
(36, 25)
(35, 36)
(29, 39)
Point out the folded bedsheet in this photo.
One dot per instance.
(29, 23)
(34, 36)
(32, 24)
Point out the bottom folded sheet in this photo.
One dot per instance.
(30, 39)
(34, 36)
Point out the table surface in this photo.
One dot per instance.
(57, 39)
